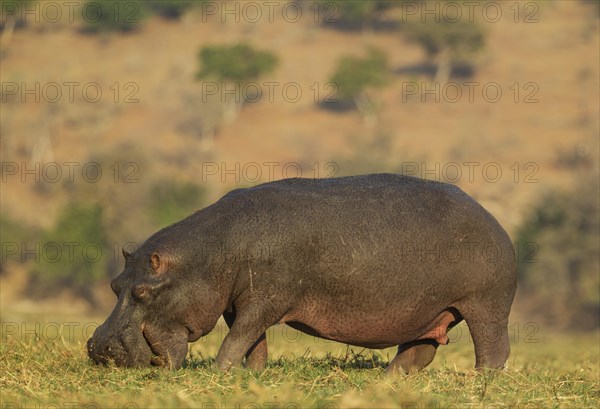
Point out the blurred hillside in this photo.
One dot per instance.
(165, 145)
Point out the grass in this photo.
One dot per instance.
(46, 363)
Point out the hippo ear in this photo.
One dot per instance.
(126, 254)
(158, 263)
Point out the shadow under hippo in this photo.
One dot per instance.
(373, 261)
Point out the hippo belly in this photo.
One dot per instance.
(375, 330)
(379, 316)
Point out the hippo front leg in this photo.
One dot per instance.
(256, 356)
(247, 330)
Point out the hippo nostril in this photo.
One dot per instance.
(106, 351)
(90, 345)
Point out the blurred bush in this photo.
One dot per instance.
(15, 232)
(71, 254)
(110, 15)
(171, 202)
(372, 155)
(13, 235)
(574, 158)
(560, 282)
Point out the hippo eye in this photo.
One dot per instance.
(140, 292)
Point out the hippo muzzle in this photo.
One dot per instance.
(127, 347)
(141, 347)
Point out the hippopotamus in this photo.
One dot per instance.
(373, 261)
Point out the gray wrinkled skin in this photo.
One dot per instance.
(372, 261)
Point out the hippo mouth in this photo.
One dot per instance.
(157, 359)
(167, 350)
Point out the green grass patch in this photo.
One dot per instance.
(44, 362)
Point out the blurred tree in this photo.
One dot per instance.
(111, 15)
(561, 280)
(236, 65)
(354, 14)
(11, 12)
(170, 8)
(355, 77)
(447, 43)
(11, 17)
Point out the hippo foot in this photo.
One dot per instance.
(413, 356)
(256, 357)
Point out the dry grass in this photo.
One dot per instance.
(555, 371)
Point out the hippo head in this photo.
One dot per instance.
(160, 308)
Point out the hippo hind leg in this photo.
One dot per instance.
(490, 337)
(256, 357)
(413, 356)
(488, 325)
